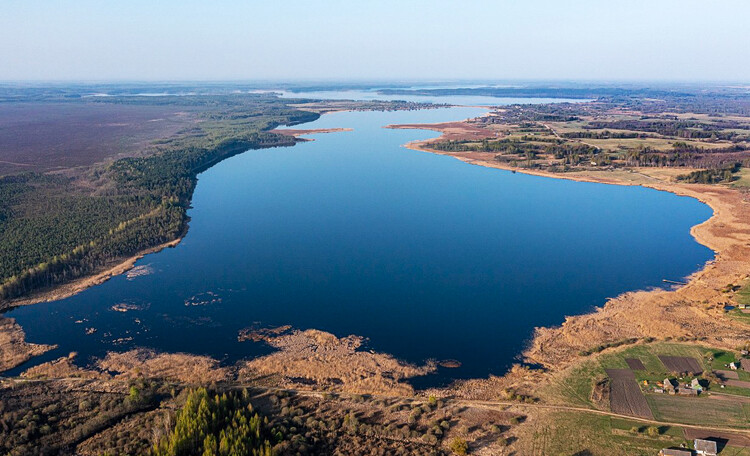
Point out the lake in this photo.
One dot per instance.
(463, 100)
(426, 256)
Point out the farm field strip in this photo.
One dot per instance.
(626, 397)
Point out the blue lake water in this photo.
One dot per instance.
(425, 255)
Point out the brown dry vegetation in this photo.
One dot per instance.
(452, 131)
(63, 368)
(14, 350)
(123, 367)
(320, 359)
(177, 367)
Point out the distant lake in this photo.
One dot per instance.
(464, 100)
(426, 256)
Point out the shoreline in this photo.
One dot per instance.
(74, 287)
(555, 348)
(691, 311)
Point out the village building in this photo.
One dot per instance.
(705, 447)
(696, 385)
(733, 366)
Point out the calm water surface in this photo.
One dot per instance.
(426, 256)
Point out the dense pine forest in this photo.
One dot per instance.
(218, 425)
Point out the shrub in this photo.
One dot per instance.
(459, 446)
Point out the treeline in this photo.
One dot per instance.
(216, 425)
(506, 146)
(606, 134)
(52, 230)
(687, 129)
(171, 173)
(570, 153)
(683, 154)
(711, 176)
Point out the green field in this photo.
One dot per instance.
(743, 295)
(567, 433)
(702, 410)
(743, 181)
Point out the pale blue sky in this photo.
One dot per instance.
(293, 39)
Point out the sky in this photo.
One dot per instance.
(99, 40)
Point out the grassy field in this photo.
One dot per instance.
(701, 411)
(576, 433)
(571, 433)
(743, 295)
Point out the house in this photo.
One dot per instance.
(705, 447)
(669, 387)
(658, 390)
(733, 366)
(675, 452)
(687, 391)
(696, 385)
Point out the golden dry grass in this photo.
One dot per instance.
(328, 362)
(178, 367)
(14, 350)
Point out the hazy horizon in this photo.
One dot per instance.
(233, 41)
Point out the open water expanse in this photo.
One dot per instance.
(426, 256)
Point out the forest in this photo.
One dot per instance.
(217, 425)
